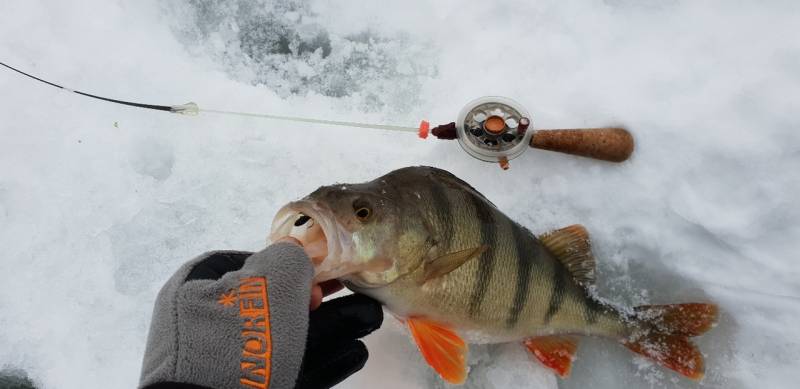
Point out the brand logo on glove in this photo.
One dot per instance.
(251, 297)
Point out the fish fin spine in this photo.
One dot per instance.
(441, 347)
(556, 352)
(570, 245)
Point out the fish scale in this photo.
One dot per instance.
(526, 253)
(501, 276)
(483, 220)
(461, 219)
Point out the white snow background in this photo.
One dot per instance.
(100, 203)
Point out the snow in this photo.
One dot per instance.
(99, 203)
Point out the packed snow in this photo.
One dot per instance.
(100, 203)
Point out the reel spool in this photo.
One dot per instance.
(498, 129)
(494, 129)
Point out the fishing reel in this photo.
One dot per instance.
(498, 129)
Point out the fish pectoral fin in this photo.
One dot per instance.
(446, 263)
(556, 352)
(442, 348)
(571, 246)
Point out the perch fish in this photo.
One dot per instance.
(456, 270)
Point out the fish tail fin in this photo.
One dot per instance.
(664, 337)
(692, 319)
(675, 352)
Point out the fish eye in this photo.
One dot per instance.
(302, 220)
(362, 210)
(363, 213)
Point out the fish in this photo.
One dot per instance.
(456, 270)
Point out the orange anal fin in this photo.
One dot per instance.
(556, 352)
(442, 348)
(675, 352)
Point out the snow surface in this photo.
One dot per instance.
(99, 203)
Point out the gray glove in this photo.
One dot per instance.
(229, 319)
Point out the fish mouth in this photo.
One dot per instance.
(325, 241)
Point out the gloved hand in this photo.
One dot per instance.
(230, 319)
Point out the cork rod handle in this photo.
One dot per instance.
(607, 144)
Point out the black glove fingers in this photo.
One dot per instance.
(344, 318)
(327, 366)
(217, 265)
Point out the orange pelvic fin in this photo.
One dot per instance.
(681, 319)
(442, 348)
(556, 352)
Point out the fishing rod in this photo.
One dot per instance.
(491, 128)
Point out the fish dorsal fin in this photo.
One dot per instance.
(442, 348)
(571, 246)
(444, 264)
(556, 352)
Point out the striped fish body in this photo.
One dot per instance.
(444, 259)
(515, 289)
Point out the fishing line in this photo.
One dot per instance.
(193, 109)
(312, 120)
